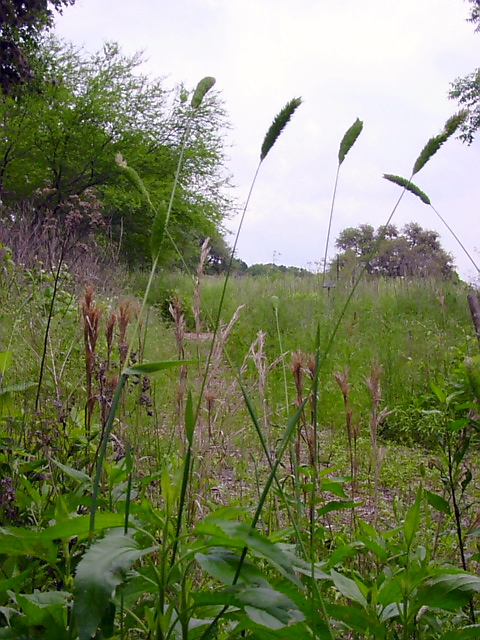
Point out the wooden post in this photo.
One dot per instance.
(474, 305)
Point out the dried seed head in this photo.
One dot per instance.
(297, 366)
(342, 381)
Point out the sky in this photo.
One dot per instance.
(388, 63)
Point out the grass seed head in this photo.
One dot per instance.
(202, 87)
(279, 123)
(409, 186)
(349, 139)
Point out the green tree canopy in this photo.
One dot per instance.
(386, 251)
(62, 140)
(21, 22)
(466, 90)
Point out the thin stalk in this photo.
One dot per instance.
(456, 238)
(223, 293)
(332, 206)
(356, 283)
(458, 521)
(47, 329)
(103, 448)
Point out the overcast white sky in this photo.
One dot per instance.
(388, 62)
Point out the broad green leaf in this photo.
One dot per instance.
(438, 502)
(268, 607)
(103, 567)
(14, 583)
(439, 392)
(145, 368)
(457, 425)
(235, 534)
(5, 361)
(334, 486)
(375, 546)
(82, 477)
(80, 526)
(39, 607)
(222, 564)
(23, 542)
(337, 505)
(38, 544)
(341, 553)
(391, 590)
(356, 619)
(412, 519)
(348, 588)
(392, 610)
(464, 633)
(449, 591)
(303, 566)
(368, 529)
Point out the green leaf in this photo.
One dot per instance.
(268, 607)
(23, 542)
(202, 87)
(449, 591)
(103, 567)
(412, 519)
(409, 186)
(38, 544)
(438, 502)
(82, 477)
(334, 486)
(337, 505)
(5, 360)
(222, 564)
(348, 588)
(146, 368)
(235, 534)
(41, 608)
(375, 546)
(464, 633)
(17, 581)
(349, 139)
(80, 526)
(439, 392)
(356, 619)
(189, 419)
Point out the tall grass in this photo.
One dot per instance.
(212, 531)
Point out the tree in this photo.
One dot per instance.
(466, 90)
(387, 252)
(62, 140)
(21, 22)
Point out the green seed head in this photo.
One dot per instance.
(277, 126)
(202, 87)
